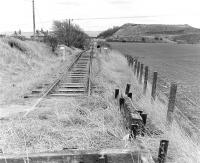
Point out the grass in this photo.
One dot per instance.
(183, 136)
(95, 122)
(23, 64)
(182, 147)
(86, 123)
(173, 62)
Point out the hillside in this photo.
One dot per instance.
(24, 64)
(156, 33)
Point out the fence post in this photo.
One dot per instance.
(128, 59)
(121, 103)
(131, 62)
(144, 118)
(135, 67)
(103, 159)
(163, 151)
(128, 86)
(138, 69)
(130, 95)
(145, 79)
(153, 91)
(141, 73)
(116, 93)
(171, 104)
(134, 130)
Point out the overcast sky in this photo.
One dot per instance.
(17, 14)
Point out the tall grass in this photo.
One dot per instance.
(95, 122)
(22, 65)
(83, 123)
(183, 148)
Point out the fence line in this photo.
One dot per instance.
(135, 120)
(172, 111)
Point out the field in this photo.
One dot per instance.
(173, 62)
(95, 122)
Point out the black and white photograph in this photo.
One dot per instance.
(99, 81)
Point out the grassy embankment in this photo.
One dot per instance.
(25, 65)
(85, 123)
(95, 122)
(183, 135)
(22, 66)
(173, 62)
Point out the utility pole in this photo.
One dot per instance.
(69, 39)
(33, 18)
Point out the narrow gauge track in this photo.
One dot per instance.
(75, 81)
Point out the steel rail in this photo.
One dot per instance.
(89, 77)
(54, 84)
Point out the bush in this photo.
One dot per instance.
(52, 41)
(70, 34)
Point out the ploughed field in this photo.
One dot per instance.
(173, 62)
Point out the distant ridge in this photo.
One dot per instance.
(182, 33)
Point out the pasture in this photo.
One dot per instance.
(173, 62)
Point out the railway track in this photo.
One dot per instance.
(75, 81)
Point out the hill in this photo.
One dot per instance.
(156, 33)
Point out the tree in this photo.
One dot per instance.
(69, 34)
(52, 41)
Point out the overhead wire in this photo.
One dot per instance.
(81, 19)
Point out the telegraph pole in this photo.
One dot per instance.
(69, 39)
(33, 18)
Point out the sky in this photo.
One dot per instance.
(17, 14)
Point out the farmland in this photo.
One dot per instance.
(173, 62)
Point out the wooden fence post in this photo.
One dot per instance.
(128, 86)
(163, 151)
(171, 103)
(121, 103)
(128, 60)
(131, 62)
(103, 159)
(141, 73)
(130, 95)
(145, 80)
(116, 93)
(138, 69)
(144, 118)
(153, 91)
(134, 130)
(135, 67)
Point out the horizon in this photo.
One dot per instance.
(10, 32)
(95, 15)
